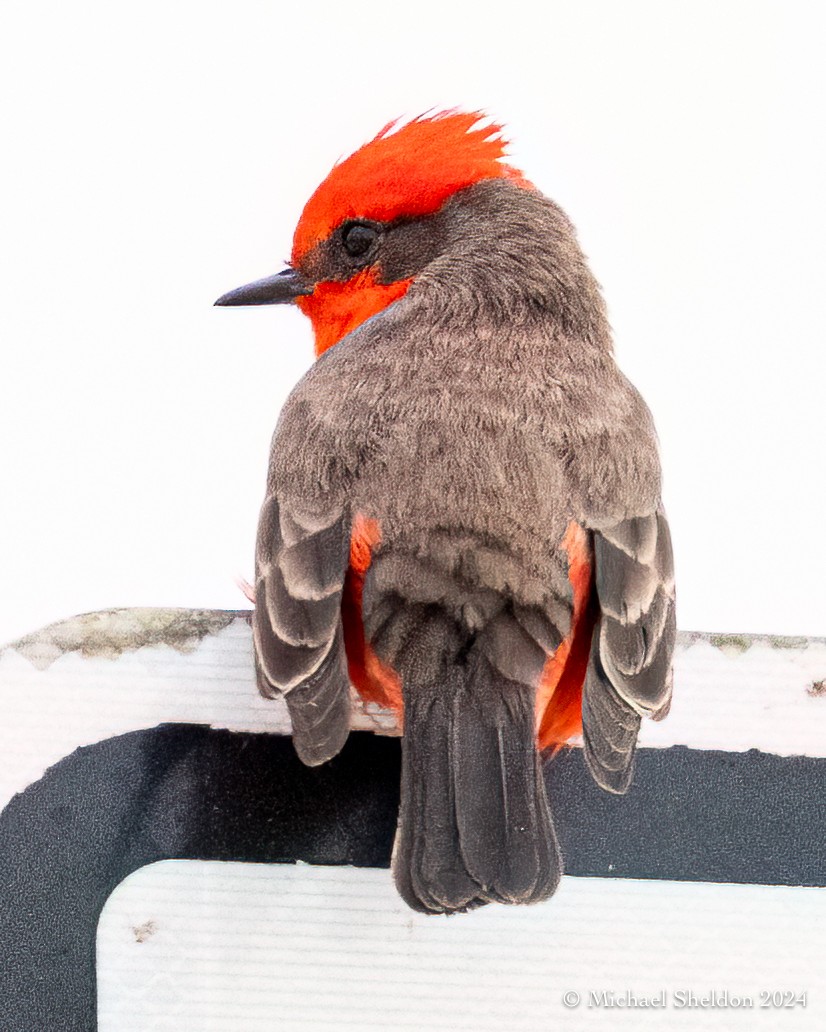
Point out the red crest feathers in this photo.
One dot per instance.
(409, 171)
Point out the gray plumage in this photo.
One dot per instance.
(474, 419)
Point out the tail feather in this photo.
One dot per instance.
(427, 861)
(474, 824)
(506, 836)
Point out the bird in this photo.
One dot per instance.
(463, 516)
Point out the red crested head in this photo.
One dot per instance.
(405, 172)
(356, 249)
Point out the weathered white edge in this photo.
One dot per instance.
(103, 674)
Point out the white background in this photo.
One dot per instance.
(156, 155)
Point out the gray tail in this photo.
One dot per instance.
(474, 824)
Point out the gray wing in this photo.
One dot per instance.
(301, 563)
(629, 672)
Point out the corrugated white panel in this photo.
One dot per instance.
(207, 947)
(55, 698)
(96, 677)
(737, 692)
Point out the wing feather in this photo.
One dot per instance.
(629, 672)
(301, 563)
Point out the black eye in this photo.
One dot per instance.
(358, 238)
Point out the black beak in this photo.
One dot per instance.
(282, 289)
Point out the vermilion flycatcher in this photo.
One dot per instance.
(463, 512)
